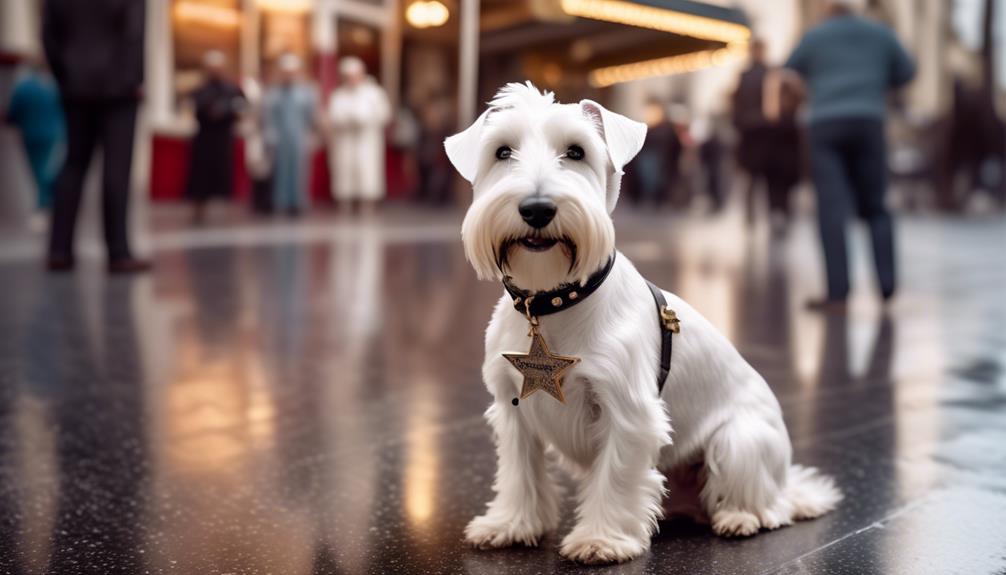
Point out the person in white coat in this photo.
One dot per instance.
(358, 111)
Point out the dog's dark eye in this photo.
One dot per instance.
(575, 152)
(503, 153)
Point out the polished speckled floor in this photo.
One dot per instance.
(306, 399)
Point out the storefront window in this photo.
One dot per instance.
(282, 33)
(362, 41)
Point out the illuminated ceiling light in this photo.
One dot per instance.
(427, 14)
(655, 18)
(669, 66)
(284, 6)
(209, 14)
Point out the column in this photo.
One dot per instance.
(19, 27)
(391, 52)
(468, 67)
(251, 31)
(159, 88)
(323, 34)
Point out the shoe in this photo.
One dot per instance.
(59, 264)
(128, 266)
(825, 305)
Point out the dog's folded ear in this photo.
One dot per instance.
(623, 138)
(463, 148)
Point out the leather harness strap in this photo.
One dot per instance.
(669, 325)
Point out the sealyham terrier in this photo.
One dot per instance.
(546, 177)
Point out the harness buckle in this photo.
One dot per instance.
(669, 319)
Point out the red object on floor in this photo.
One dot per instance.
(169, 172)
(321, 182)
(400, 179)
(242, 181)
(169, 169)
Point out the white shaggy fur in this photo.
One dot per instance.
(730, 446)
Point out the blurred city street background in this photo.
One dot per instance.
(281, 373)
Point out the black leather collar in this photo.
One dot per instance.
(563, 297)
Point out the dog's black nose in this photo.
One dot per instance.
(537, 211)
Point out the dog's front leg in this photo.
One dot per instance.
(620, 497)
(526, 505)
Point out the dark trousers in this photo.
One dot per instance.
(778, 190)
(90, 123)
(849, 160)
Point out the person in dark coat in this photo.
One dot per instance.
(435, 170)
(218, 104)
(756, 134)
(765, 114)
(782, 165)
(95, 50)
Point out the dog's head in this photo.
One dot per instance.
(545, 178)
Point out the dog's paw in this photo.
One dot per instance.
(735, 523)
(490, 532)
(600, 550)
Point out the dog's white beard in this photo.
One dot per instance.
(493, 220)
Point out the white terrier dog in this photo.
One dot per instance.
(546, 177)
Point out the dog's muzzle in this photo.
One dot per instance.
(537, 211)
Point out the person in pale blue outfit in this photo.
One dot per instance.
(36, 111)
(291, 113)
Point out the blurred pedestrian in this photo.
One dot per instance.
(258, 160)
(849, 64)
(218, 104)
(403, 142)
(977, 146)
(435, 170)
(768, 151)
(657, 164)
(784, 165)
(358, 111)
(708, 137)
(95, 49)
(36, 112)
(683, 161)
(291, 110)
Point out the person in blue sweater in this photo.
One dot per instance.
(36, 111)
(849, 64)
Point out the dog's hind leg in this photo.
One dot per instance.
(751, 483)
(747, 462)
(526, 503)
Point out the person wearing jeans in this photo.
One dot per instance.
(849, 64)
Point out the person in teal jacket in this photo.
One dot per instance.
(36, 111)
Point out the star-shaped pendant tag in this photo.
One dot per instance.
(541, 368)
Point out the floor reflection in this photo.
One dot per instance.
(80, 477)
(313, 404)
